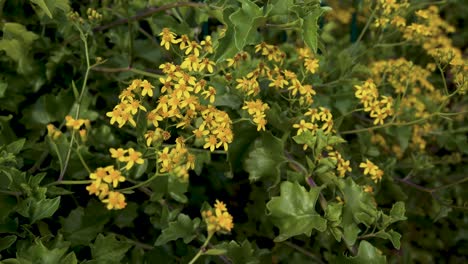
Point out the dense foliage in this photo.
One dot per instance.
(222, 131)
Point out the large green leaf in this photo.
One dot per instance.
(39, 253)
(359, 208)
(293, 212)
(82, 225)
(184, 228)
(265, 159)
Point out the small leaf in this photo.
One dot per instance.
(42, 4)
(391, 235)
(310, 28)
(184, 228)
(16, 146)
(7, 241)
(293, 212)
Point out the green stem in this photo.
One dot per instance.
(69, 183)
(366, 26)
(83, 162)
(78, 107)
(145, 73)
(143, 183)
(202, 248)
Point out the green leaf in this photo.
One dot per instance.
(391, 235)
(265, 159)
(126, 216)
(42, 4)
(246, 20)
(184, 228)
(239, 148)
(293, 212)
(358, 209)
(82, 225)
(107, 249)
(16, 146)
(7, 241)
(38, 253)
(177, 189)
(366, 254)
(3, 87)
(310, 28)
(397, 213)
(38, 209)
(240, 253)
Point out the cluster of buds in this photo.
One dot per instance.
(79, 125)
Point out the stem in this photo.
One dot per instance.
(202, 248)
(365, 27)
(355, 131)
(143, 183)
(78, 107)
(69, 182)
(82, 161)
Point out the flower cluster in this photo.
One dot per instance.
(373, 170)
(129, 156)
(216, 129)
(218, 219)
(271, 52)
(379, 109)
(342, 165)
(389, 12)
(320, 118)
(130, 104)
(257, 109)
(176, 160)
(104, 180)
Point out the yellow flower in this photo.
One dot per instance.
(210, 93)
(303, 126)
(207, 44)
(168, 38)
(132, 158)
(98, 175)
(211, 142)
(368, 166)
(118, 154)
(113, 176)
(311, 65)
(93, 188)
(115, 200)
(147, 88)
(73, 123)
